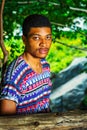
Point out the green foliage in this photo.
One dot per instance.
(85, 100)
(15, 48)
(60, 12)
(61, 56)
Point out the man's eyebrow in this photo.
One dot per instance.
(34, 34)
(39, 34)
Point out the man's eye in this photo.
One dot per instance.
(48, 37)
(36, 38)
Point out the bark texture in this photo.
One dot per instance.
(75, 120)
(5, 52)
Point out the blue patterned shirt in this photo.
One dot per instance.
(28, 89)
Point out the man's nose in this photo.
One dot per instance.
(43, 42)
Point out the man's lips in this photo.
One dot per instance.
(43, 50)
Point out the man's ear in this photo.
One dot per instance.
(24, 39)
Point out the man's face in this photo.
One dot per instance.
(38, 42)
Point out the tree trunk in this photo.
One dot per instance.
(75, 120)
(5, 52)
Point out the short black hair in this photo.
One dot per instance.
(35, 20)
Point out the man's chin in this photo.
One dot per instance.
(43, 56)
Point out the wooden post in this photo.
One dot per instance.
(75, 120)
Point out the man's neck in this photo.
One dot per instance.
(34, 63)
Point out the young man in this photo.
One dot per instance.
(27, 86)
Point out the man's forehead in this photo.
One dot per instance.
(40, 28)
(40, 31)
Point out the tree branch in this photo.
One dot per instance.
(75, 47)
(53, 3)
(77, 9)
(71, 120)
(58, 24)
(5, 52)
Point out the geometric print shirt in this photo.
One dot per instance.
(28, 89)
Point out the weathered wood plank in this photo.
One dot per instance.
(76, 120)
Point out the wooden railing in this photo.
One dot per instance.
(75, 120)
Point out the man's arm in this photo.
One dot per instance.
(7, 107)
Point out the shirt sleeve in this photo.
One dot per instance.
(9, 91)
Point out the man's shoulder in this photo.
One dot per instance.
(14, 67)
(15, 62)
